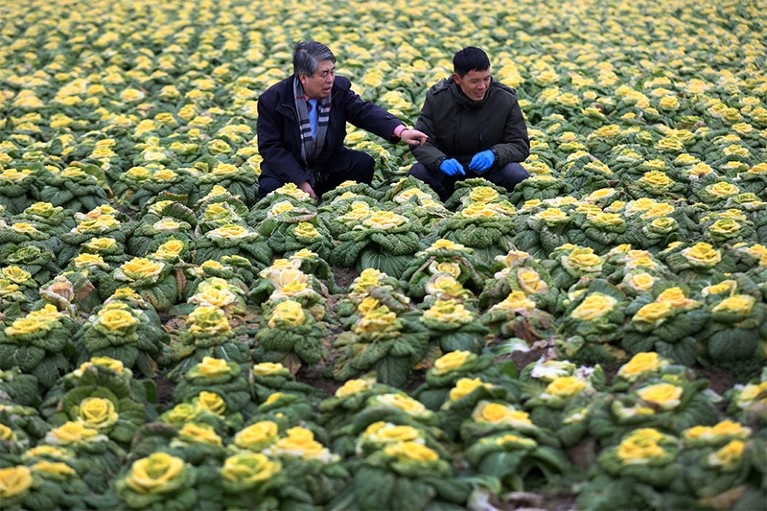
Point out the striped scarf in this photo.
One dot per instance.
(311, 147)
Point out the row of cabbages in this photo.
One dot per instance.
(228, 302)
(245, 436)
(462, 277)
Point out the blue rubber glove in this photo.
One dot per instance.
(451, 167)
(483, 160)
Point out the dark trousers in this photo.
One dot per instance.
(351, 166)
(507, 177)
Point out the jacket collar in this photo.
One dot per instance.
(287, 105)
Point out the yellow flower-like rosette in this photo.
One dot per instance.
(517, 300)
(726, 286)
(306, 230)
(641, 364)
(752, 394)
(582, 259)
(87, 260)
(740, 305)
(531, 282)
(211, 402)
(641, 281)
(300, 443)
(119, 320)
(181, 414)
(466, 386)
(304, 253)
(257, 436)
(141, 268)
(414, 452)
(448, 268)
(479, 210)
(641, 448)
(657, 178)
(729, 456)
(594, 306)
(352, 387)
(170, 249)
(14, 481)
(7, 434)
(446, 286)
(229, 231)
(57, 470)
(97, 413)
(369, 277)
(24, 228)
(110, 363)
(384, 220)
(452, 361)
(213, 297)
(712, 434)
(249, 469)
(552, 216)
(511, 439)
(513, 258)
(208, 320)
(287, 313)
(722, 189)
(71, 433)
(565, 386)
(15, 175)
(212, 367)
(291, 190)
(664, 395)
(448, 311)
(483, 194)
(675, 296)
(192, 433)
(155, 474)
(101, 244)
(269, 368)
(443, 244)
(653, 313)
(28, 326)
(402, 402)
(289, 276)
(376, 321)
(383, 433)
(498, 413)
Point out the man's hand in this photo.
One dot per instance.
(451, 167)
(413, 137)
(483, 160)
(305, 186)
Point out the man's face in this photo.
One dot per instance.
(474, 84)
(319, 84)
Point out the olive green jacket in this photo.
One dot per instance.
(460, 128)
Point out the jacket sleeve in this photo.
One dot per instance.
(428, 154)
(269, 128)
(368, 116)
(516, 144)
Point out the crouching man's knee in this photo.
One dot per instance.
(511, 175)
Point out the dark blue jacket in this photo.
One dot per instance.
(279, 140)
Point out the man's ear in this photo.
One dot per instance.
(302, 78)
(456, 78)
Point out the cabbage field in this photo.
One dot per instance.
(594, 339)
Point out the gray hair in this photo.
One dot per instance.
(307, 56)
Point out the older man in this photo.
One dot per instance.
(475, 128)
(302, 126)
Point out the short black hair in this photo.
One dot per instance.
(470, 58)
